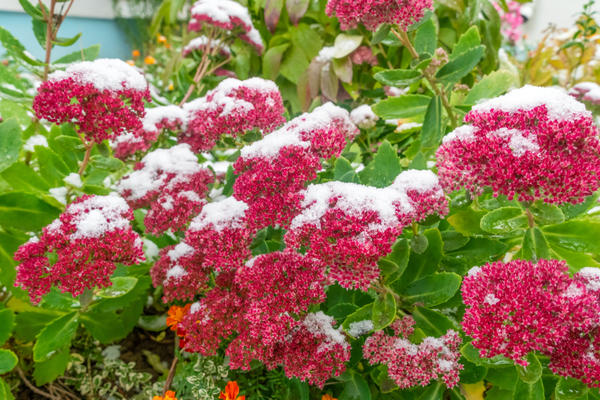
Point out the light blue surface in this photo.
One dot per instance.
(113, 42)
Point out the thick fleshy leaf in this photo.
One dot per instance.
(10, 143)
(532, 372)
(8, 360)
(121, 285)
(406, 106)
(55, 336)
(461, 66)
(433, 289)
(384, 311)
(504, 220)
(384, 167)
(397, 77)
(345, 44)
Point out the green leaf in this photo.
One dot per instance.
(420, 265)
(569, 389)
(362, 314)
(66, 42)
(432, 130)
(294, 64)
(355, 387)
(307, 39)
(433, 289)
(25, 212)
(87, 54)
(39, 31)
(272, 61)
(5, 393)
(453, 240)
(406, 106)
(467, 41)
(121, 285)
(492, 85)
(571, 211)
(7, 322)
(504, 378)
(32, 10)
(472, 373)
(30, 323)
(52, 167)
(534, 245)
(397, 77)
(106, 163)
(472, 354)
(546, 214)
(434, 391)
(431, 322)
(345, 44)
(393, 265)
(467, 221)
(10, 143)
(341, 310)
(479, 251)
(343, 69)
(344, 172)
(574, 241)
(14, 47)
(23, 177)
(8, 360)
(384, 167)
(532, 372)
(504, 220)
(47, 371)
(384, 311)
(528, 391)
(381, 33)
(55, 336)
(461, 66)
(297, 390)
(329, 82)
(426, 38)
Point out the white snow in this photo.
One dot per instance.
(560, 105)
(364, 117)
(104, 74)
(360, 328)
(176, 272)
(59, 194)
(463, 133)
(150, 249)
(321, 324)
(35, 140)
(181, 250)
(73, 179)
(201, 42)
(326, 54)
(491, 299)
(518, 142)
(171, 113)
(592, 275)
(474, 271)
(228, 213)
(98, 215)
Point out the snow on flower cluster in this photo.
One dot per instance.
(227, 15)
(586, 91)
(233, 107)
(364, 117)
(372, 13)
(169, 117)
(350, 226)
(103, 98)
(532, 143)
(265, 304)
(80, 249)
(410, 364)
(517, 307)
(205, 45)
(170, 182)
(274, 170)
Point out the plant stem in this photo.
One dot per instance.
(86, 298)
(171, 375)
(530, 218)
(439, 91)
(33, 388)
(86, 158)
(49, 34)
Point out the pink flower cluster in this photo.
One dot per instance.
(532, 143)
(80, 249)
(410, 364)
(265, 305)
(203, 44)
(372, 13)
(227, 15)
(274, 170)
(363, 55)
(234, 107)
(349, 227)
(171, 183)
(586, 91)
(157, 119)
(511, 20)
(103, 98)
(517, 307)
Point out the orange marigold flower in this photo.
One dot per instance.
(150, 60)
(170, 395)
(175, 316)
(171, 87)
(328, 397)
(161, 39)
(135, 53)
(231, 392)
(130, 62)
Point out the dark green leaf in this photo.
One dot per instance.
(434, 391)
(460, 67)
(527, 391)
(47, 371)
(472, 354)
(7, 322)
(432, 130)
(574, 241)
(432, 322)
(344, 172)
(39, 31)
(433, 289)
(546, 214)
(384, 311)
(479, 251)
(10, 143)
(362, 314)
(453, 240)
(504, 378)
(121, 285)
(467, 41)
(472, 373)
(25, 212)
(426, 38)
(504, 220)
(341, 310)
(5, 393)
(532, 372)
(55, 336)
(355, 387)
(8, 360)
(397, 77)
(384, 168)
(420, 265)
(30, 323)
(406, 106)
(382, 32)
(32, 10)
(569, 389)
(534, 245)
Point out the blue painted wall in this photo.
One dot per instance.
(113, 42)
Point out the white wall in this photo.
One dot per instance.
(81, 8)
(562, 13)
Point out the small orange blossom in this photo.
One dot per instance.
(150, 60)
(328, 397)
(231, 392)
(175, 316)
(161, 39)
(135, 53)
(130, 62)
(171, 87)
(170, 395)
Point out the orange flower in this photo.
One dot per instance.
(150, 60)
(231, 392)
(161, 39)
(328, 397)
(175, 316)
(170, 395)
(171, 87)
(135, 53)
(130, 62)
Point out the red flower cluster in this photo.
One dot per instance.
(156, 119)
(172, 183)
(103, 98)
(79, 250)
(410, 364)
(372, 13)
(350, 226)
(227, 15)
(517, 307)
(532, 143)
(234, 107)
(274, 170)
